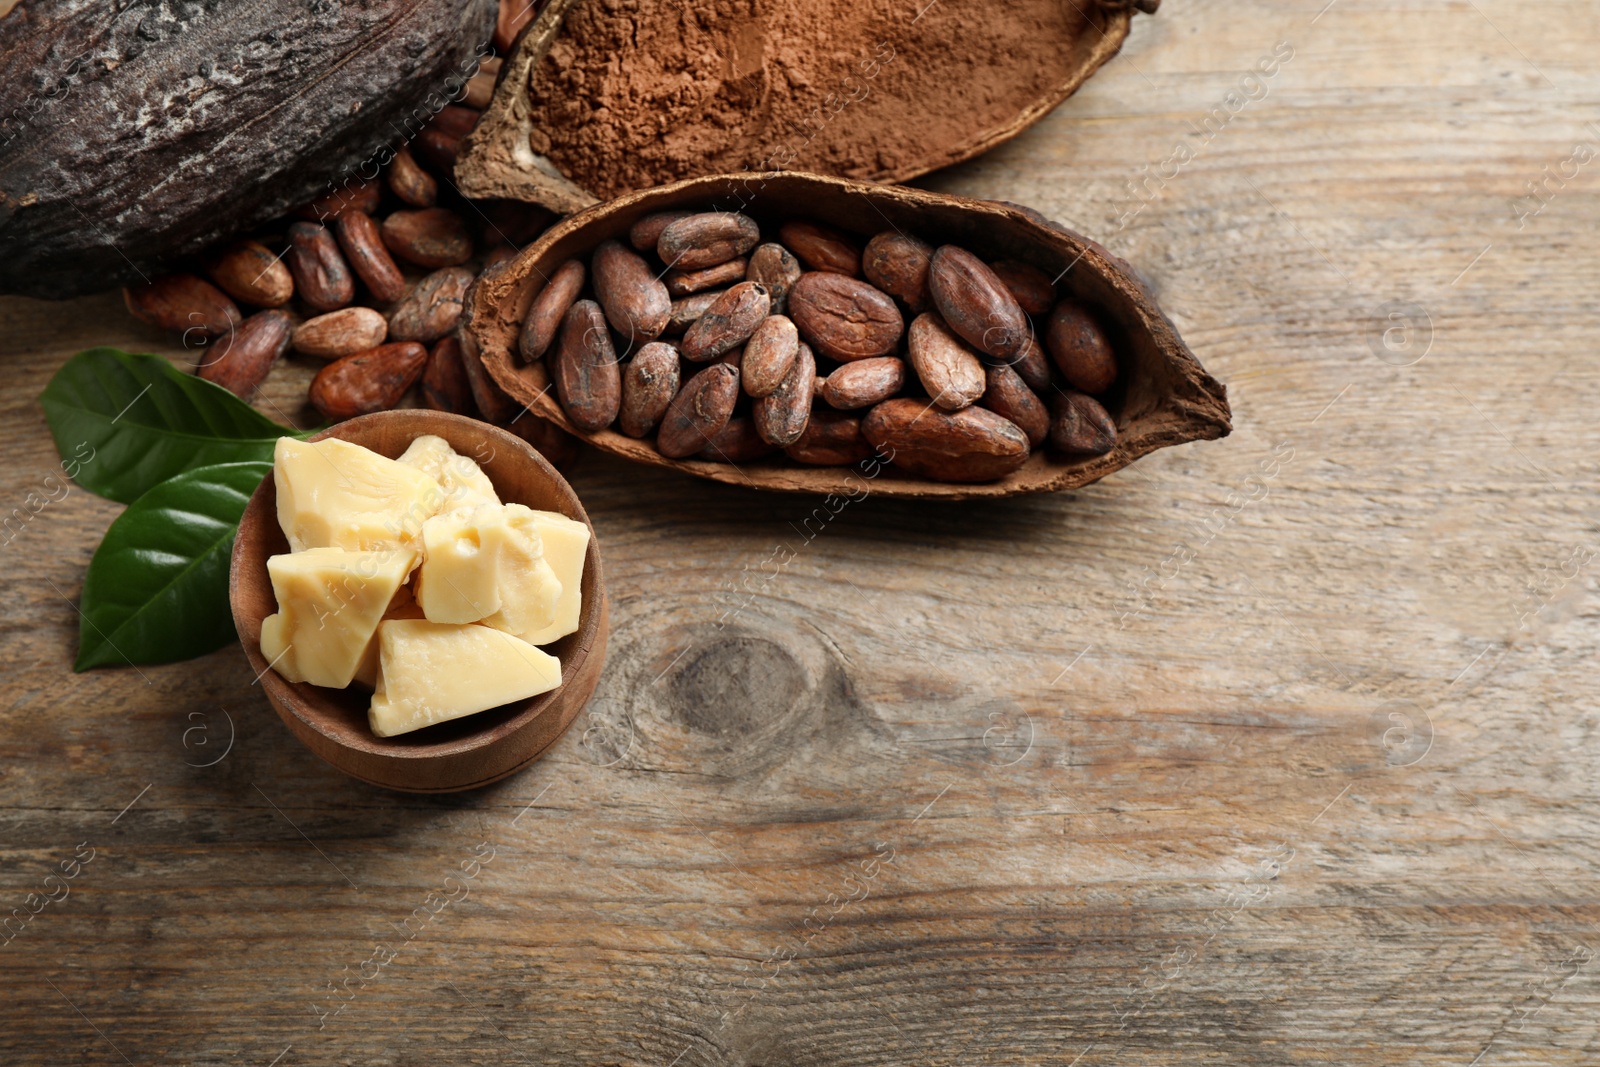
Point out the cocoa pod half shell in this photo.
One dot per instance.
(251, 274)
(843, 318)
(241, 360)
(369, 381)
(584, 367)
(970, 445)
(181, 303)
(699, 412)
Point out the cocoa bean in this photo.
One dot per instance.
(584, 368)
(549, 308)
(240, 361)
(976, 303)
(636, 303)
(1031, 365)
(682, 283)
(363, 247)
(1080, 426)
(831, 439)
(1008, 396)
(702, 240)
(1080, 348)
(510, 222)
(970, 445)
(686, 310)
(648, 386)
(726, 324)
(444, 380)
(498, 254)
(341, 333)
(821, 247)
(438, 150)
(781, 416)
(369, 381)
(733, 357)
(410, 182)
(646, 233)
(455, 120)
(1034, 291)
(737, 442)
(181, 303)
(949, 370)
(775, 267)
(843, 318)
(354, 195)
(701, 409)
(864, 383)
(251, 274)
(898, 265)
(491, 401)
(480, 87)
(428, 237)
(557, 446)
(321, 276)
(768, 355)
(509, 22)
(433, 308)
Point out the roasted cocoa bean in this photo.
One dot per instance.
(775, 267)
(782, 414)
(645, 234)
(821, 247)
(354, 195)
(648, 385)
(831, 439)
(951, 372)
(636, 302)
(1031, 365)
(843, 318)
(1008, 396)
(433, 308)
(445, 386)
(584, 368)
(341, 333)
(768, 355)
(491, 401)
(682, 283)
(733, 357)
(702, 240)
(410, 182)
(1032, 287)
(455, 120)
(479, 89)
(898, 265)
(363, 247)
(549, 308)
(1079, 425)
(1080, 348)
(686, 310)
(558, 447)
(699, 411)
(321, 276)
(428, 237)
(180, 303)
(438, 150)
(239, 361)
(726, 324)
(970, 445)
(976, 303)
(864, 383)
(498, 254)
(251, 274)
(737, 442)
(369, 381)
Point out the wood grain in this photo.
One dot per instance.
(1206, 685)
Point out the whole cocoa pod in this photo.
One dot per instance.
(781, 416)
(1080, 426)
(445, 386)
(700, 410)
(843, 318)
(341, 333)
(706, 239)
(369, 381)
(976, 303)
(898, 265)
(1008, 396)
(1080, 348)
(429, 237)
(180, 303)
(321, 276)
(864, 383)
(584, 368)
(726, 324)
(250, 273)
(410, 182)
(1035, 292)
(684, 282)
(549, 308)
(363, 246)
(648, 386)
(821, 247)
(947, 368)
(737, 442)
(777, 270)
(636, 302)
(831, 439)
(433, 308)
(645, 234)
(768, 355)
(970, 445)
(240, 360)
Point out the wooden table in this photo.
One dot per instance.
(1275, 750)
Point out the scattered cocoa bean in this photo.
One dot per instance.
(438, 150)
(354, 195)
(1008, 396)
(363, 246)
(480, 87)
(775, 267)
(636, 302)
(737, 442)
(1080, 348)
(976, 303)
(768, 355)
(445, 386)
(781, 416)
(864, 383)
(410, 182)
(645, 234)
(705, 239)
(509, 23)
(341, 333)
(549, 308)
(240, 361)
(843, 318)
(682, 283)
(898, 265)
(727, 323)
(821, 247)
(369, 381)
(455, 120)
(251, 274)
(557, 446)
(491, 401)
(648, 386)
(429, 237)
(685, 310)
(701, 409)
(1032, 287)
(1079, 425)
(321, 276)
(182, 302)
(584, 368)
(433, 308)
(831, 439)
(970, 445)
(949, 370)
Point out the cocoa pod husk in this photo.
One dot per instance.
(775, 267)
(737, 442)
(321, 276)
(182, 302)
(549, 308)
(635, 301)
(429, 237)
(863, 383)
(445, 386)
(685, 310)
(341, 333)
(1080, 425)
(831, 439)
(410, 182)
(726, 324)
(821, 247)
(976, 303)
(844, 318)
(433, 308)
(362, 243)
(970, 445)
(1080, 348)
(241, 360)
(369, 381)
(1035, 293)
(584, 368)
(1008, 396)
(683, 283)
(649, 383)
(645, 234)
(706, 239)
(951, 372)
(249, 272)
(898, 264)
(782, 415)
(768, 355)
(700, 410)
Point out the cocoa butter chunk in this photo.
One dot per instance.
(1080, 348)
(699, 412)
(821, 247)
(635, 301)
(976, 303)
(727, 323)
(898, 265)
(845, 318)
(970, 445)
(695, 242)
(584, 367)
(1080, 425)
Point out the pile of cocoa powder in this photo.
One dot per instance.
(634, 93)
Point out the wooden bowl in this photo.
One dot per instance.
(463, 753)
(1165, 397)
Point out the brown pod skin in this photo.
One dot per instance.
(556, 445)
(686, 310)
(636, 302)
(491, 401)
(898, 265)
(775, 267)
(726, 324)
(970, 445)
(699, 411)
(363, 247)
(341, 333)
(845, 319)
(433, 308)
(1080, 348)
(683, 283)
(976, 303)
(648, 385)
(864, 383)
(702, 240)
(1031, 365)
(1008, 396)
(549, 308)
(768, 355)
(180, 303)
(831, 439)
(821, 247)
(428, 237)
(444, 380)
(321, 276)
(241, 361)
(369, 381)
(949, 370)
(251, 274)
(737, 442)
(1034, 291)
(781, 416)
(1080, 426)
(353, 195)
(646, 233)
(584, 368)
(410, 182)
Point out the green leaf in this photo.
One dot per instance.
(125, 423)
(157, 588)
